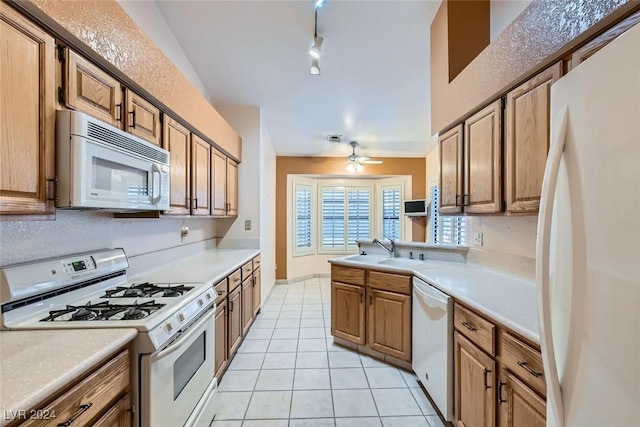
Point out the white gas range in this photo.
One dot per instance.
(175, 323)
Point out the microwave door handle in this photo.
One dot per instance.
(156, 198)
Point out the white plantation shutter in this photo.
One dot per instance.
(391, 213)
(303, 217)
(446, 230)
(333, 218)
(359, 209)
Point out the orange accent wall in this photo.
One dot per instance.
(468, 27)
(416, 167)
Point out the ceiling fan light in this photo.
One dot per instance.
(315, 67)
(316, 50)
(354, 167)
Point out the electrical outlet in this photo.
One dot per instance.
(477, 239)
(247, 224)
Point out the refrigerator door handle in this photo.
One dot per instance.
(554, 394)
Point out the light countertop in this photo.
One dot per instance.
(37, 364)
(506, 299)
(207, 267)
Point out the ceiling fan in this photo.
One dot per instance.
(356, 162)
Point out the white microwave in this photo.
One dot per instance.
(102, 167)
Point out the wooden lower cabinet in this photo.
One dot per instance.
(247, 304)
(235, 320)
(520, 406)
(475, 397)
(221, 345)
(257, 292)
(389, 323)
(348, 312)
(119, 415)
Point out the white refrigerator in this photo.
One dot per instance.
(588, 247)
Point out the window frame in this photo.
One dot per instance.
(458, 223)
(309, 250)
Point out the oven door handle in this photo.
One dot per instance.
(185, 337)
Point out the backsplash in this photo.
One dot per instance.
(81, 231)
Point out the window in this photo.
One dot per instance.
(446, 230)
(390, 200)
(303, 213)
(346, 217)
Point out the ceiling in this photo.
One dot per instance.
(374, 82)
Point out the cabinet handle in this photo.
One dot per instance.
(465, 200)
(133, 119)
(370, 299)
(196, 202)
(81, 410)
(119, 112)
(486, 382)
(361, 297)
(469, 327)
(524, 366)
(132, 410)
(230, 306)
(219, 293)
(501, 400)
(457, 200)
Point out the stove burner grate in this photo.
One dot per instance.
(103, 311)
(148, 290)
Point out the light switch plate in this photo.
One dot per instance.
(477, 239)
(247, 224)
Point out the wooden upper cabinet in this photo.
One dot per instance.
(142, 118)
(218, 183)
(586, 51)
(348, 312)
(527, 140)
(177, 140)
(475, 385)
(201, 178)
(519, 405)
(232, 188)
(483, 160)
(451, 171)
(27, 116)
(91, 90)
(389, 328)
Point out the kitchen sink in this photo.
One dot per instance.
(401, 262)
(364, 258)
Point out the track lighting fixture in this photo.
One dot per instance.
(315, 49)
(319, 3)
(315, 68)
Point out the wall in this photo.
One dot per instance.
(80, 231)
(150, 19)
(267, 209)
(503, 13)
(513, 235)
(545, 32)
(337, 166)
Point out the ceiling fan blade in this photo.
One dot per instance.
(363, 159)
(372, 162)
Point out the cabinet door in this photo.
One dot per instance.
(527, 140)
(474, 385)
(201, 178)
(389, 329)
(519, 404)
(27, 116)
(247, 304)
(232, 188)
(142, 118)
(222, 345)
(347, 312)
(451, 171)
(235, 320)
(176, 139)
(218, 183)
(119, 415)
(91, 90)
(257, 292)
(483, 160)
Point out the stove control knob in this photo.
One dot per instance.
(168, 327)
(180, 317)
(200, 302)
(208, 296)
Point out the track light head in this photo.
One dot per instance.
(316, 49)
(315, 67)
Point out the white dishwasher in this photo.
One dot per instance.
(432, 344)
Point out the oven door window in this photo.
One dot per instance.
(115, 178)
(185, 367)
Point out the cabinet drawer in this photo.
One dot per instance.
(474, 327)
(235, 279)
(353, 276)
(256, 262)
(390, 282)
(524, 361)
(91, 397)
(247, 269)
(221, 290)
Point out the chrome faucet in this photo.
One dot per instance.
(391, 250)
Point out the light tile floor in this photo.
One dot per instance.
(288, 372)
